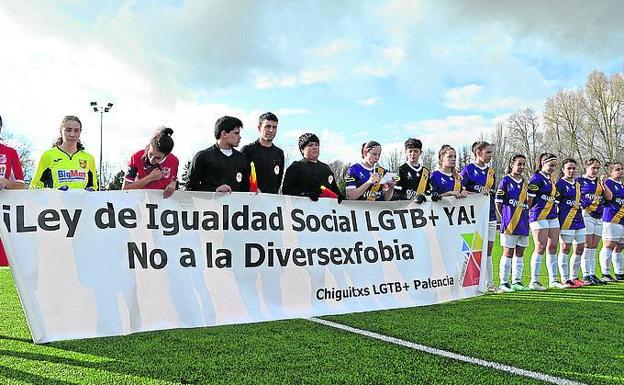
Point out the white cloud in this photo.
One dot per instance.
(369, 102)
(383, 62)
(457, 130)
(470, 97)
(290, 111)
(333, 48)
(304, 77)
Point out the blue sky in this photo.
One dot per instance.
(443, 71)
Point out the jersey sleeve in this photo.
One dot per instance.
(501, 192)
(92, 174)
(464, 176)
(533, 187)
(350, 181)
(133, 169)
(40, 181)
(16, 167)
(434, 183)
(174, 169)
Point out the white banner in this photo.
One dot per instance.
(114, 263)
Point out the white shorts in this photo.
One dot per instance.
(492, 232)
(612, 231)
(511, 241)
(593, 226)
(545, 224)
(569, 236)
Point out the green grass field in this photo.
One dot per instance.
(574, 334)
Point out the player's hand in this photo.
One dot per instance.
(155, 174)
(374, 178)
(435, 196)
(224, 188)
(169, 190)
(420, 198)
(4, 182)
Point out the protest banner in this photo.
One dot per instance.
(120, 262)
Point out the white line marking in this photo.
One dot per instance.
(451, 355)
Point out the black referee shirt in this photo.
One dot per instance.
(211, 168)
(269, 163)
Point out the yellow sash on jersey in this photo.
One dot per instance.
(591, 208)
(489, 182)
(549, 203)
(424, 179)
(372, 194)
(515, 218)
(457, 185)
(619, 215)
(570, 217)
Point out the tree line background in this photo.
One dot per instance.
(581, 123)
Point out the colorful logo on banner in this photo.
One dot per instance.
(472, 246)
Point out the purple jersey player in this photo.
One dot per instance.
(513, 208)
(572, 224)
(362, 179)
(593, 194)
(543, 221)
(446, 181)
(612, 228)
(478, 178)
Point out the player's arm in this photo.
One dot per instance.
(43, 174)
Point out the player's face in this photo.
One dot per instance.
(517, 168)
(593, 169)
(154, 156)
(485, 155)
(569, 170)
(413, 155)
(616, 171)
(311, 151)
(268, 130)
(549, 167)
(448, 159)
(70, 132)
(231, 138)
(372, 156)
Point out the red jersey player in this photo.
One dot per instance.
(155, 167)
(11, 177)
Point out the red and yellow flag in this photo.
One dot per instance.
(327, 193)
(253, 180)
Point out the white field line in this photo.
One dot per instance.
(454, 356)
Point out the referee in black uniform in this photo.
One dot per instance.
(306, 176)
(221, 168)
(268, 159)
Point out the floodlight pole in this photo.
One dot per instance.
(101, 109)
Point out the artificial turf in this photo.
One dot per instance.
(574, 334)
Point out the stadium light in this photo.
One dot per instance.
(101, 110)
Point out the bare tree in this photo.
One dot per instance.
(604, 105)
(523, 128)
(463, 156)
(116, 182)
(185, 174)
(22, 145)
(392, 160)
(501, 154)
(564, 119)
(339, 168)
(429, 159)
